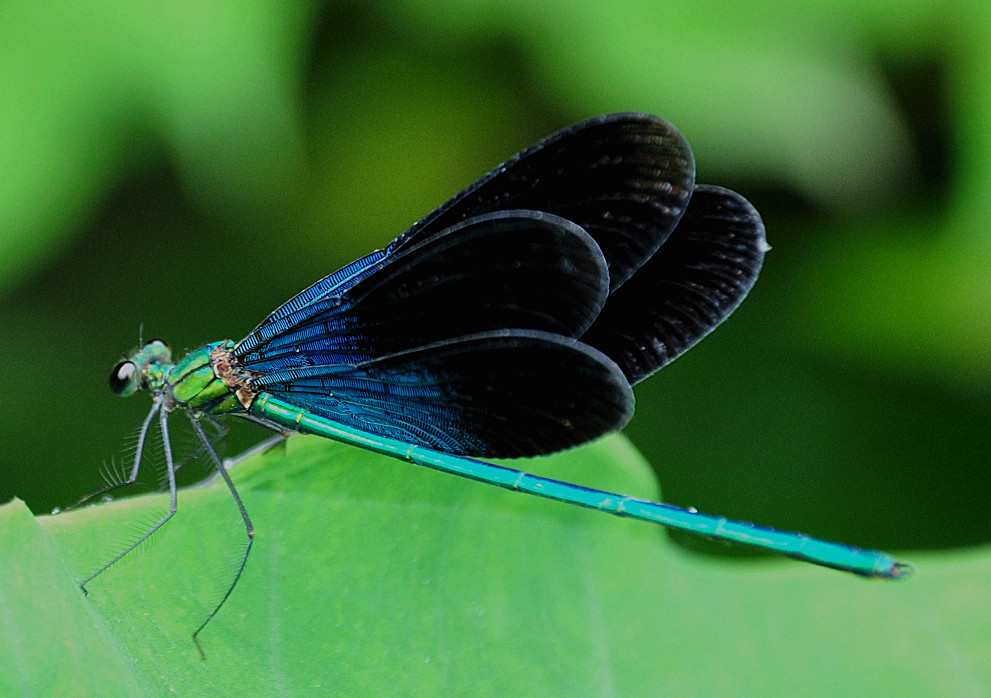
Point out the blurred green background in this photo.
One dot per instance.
(188, 168)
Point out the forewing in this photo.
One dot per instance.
(624, 178)
(498, 394)
(696, 279)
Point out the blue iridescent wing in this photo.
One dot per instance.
(700, 276)
(520, 270)
(506, 394)
(624, 178)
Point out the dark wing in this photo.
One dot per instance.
(507, 394)
(700, 275)
(508, 269)
(624, 178)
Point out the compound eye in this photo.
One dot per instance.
(124, 378)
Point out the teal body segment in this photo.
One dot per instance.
(867, 563)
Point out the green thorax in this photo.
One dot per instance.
(193, 383)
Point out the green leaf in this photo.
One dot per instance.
(372, 577)
(52, 642)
